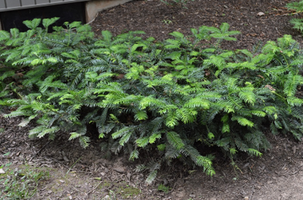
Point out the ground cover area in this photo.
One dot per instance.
(63, 170)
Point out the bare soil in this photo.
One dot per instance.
(77, 173)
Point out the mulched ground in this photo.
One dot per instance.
(258, 20)
(276, 175)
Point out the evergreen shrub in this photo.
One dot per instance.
(141, 95)
(298, 8)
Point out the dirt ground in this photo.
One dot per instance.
(77, 173)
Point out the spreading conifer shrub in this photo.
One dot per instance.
(167, 97)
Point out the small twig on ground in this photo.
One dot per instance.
(94, 188)
(253, 191)
(278, 31)
(73, 165)
(39, 151)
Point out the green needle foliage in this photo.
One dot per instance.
(298, 7)
(170, 98)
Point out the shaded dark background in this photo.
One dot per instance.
(67, 12)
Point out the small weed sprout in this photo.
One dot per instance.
(163, 188)
(167, 21)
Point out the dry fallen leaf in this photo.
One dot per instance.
(270, 87)
(69, 196)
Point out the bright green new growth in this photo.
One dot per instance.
(171, 97)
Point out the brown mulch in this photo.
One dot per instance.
(276, 175)
(258, 20)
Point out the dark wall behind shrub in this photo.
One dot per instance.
(67, 12)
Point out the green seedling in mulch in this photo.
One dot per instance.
(163, 188)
